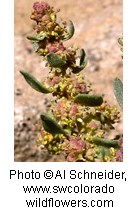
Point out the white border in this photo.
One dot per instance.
(11, 197)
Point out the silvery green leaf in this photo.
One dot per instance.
(83, 62)
(34, 83)
(50, 125)
(55, 60)
(38, 38)
(70, 31)
(105, 142)
(118, 91)
(89, 100)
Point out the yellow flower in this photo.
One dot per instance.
(112, 150)
(106, 158)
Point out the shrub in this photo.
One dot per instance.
(78, 120)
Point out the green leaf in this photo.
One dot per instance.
(82, 56)
(55, 60)
(70, 31)
(35, 46)
(50, 125)
(83, 62)
(89, 100)
(39, 38)
(118, 91)
(103, 151)
(36, 39)
(34, 83)
(105, 142)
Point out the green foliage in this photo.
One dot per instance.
(89, 100)
(83, 62)
(118, 91)
(35, 46)
(34, 83)
(105, 142)
(55, 60)
(71, 31)
(37, 38)
(79, 121)
(50, 125)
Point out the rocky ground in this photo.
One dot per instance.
(98, 24)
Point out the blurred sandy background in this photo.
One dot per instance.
(98, 24)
